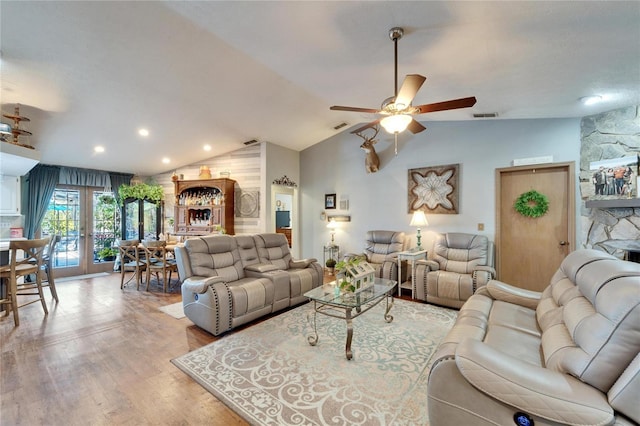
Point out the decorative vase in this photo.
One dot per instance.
(205, 173)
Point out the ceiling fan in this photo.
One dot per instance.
(397, 110)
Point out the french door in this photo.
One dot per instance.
(88, 220)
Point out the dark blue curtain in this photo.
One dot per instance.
(41, 181)
(84, 177)
(118, 179)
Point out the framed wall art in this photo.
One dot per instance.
(434, 189)
(329, 201)
(614, 177)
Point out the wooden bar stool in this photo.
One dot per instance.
(47, 266)
(31, 263)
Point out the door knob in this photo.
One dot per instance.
(564, 243)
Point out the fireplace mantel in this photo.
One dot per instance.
(612, 204)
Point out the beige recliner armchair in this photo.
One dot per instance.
(460, 264)
(381, 249)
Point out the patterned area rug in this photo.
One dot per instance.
(270, 375)
(175, 310)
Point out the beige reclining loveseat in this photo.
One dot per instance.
(231, 280)
(568, 355)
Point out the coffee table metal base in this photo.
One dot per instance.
(346, 313)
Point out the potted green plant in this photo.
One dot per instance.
(142, 191)
(107, 254)
(331, 264)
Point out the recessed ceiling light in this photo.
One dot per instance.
(98, 148)
(143, 132)
(590, 100)
(207, 147)
(165, 160)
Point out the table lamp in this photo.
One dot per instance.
(419, 219)
(332, 225)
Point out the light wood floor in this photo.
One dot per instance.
(102, 356)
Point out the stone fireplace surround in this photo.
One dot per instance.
(610, 223)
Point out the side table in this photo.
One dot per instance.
(410, 256)
(331, 251)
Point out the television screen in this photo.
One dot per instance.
(283, 219)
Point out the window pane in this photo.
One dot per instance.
(62, 218)
(106, 222)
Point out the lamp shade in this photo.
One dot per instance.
(419, 219)
(332, 224)
(396, 123)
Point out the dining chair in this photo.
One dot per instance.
(130, 261)
(158, 261)
(47, 266)
(30, 262)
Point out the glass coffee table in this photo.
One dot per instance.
(349, 306)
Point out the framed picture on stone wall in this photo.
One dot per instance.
(614, 177)
(434, 189)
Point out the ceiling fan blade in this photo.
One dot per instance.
(354, 109)
(366, 126)
(415, 127)
(443, 106)
(409, 88)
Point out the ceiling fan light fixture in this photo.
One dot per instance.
(590, 100)
(396, 123)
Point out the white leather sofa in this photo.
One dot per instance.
(568, 355)
(228, 280)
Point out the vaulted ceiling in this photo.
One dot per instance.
(221, 73)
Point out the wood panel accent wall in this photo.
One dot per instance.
(245, 166)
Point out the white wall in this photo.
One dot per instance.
(379, 200)
(279, 162)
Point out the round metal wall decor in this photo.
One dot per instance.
(532, 204)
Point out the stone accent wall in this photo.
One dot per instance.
(612, 134)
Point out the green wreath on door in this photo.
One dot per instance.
(532, 204)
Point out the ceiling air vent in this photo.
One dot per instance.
(339, 126)
(487, 115)
(251, 142)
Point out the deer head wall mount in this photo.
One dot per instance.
(371, 160)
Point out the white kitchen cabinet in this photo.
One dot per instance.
(9, 195)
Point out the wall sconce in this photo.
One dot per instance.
(419, 219)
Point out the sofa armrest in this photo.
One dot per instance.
(498, 290)
(200, 285)
(261, 267)
(431, 264)
(301, 263)
(536, 390)
(482, 275)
